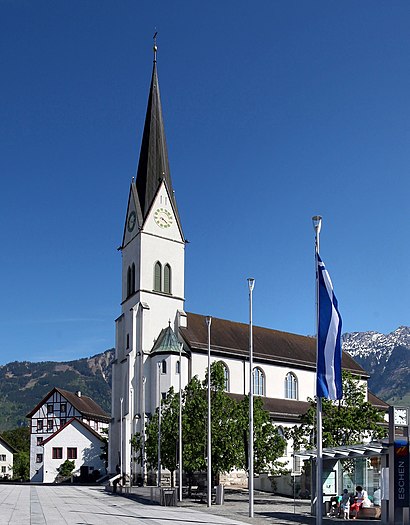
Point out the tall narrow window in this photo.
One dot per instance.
(178, 367)
(163, 367)
(291, 386)
(167, 278)
(258, 382)
(129, 281)
(133, 278)
(158, 277)
(226, 376)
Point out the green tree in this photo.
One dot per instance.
(348, 421)
(268, 446)
(19, 438)
(104, 446)
(66, 468)
(169, 435)
(21, 466)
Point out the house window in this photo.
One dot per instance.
(71, 453)
(3, 470)
(39, 458)
(167, 278)
(39, 425)
(39, 441)
(2, 457)
(49, 424)
(163, 396)
(57, 453)
(50, 408)
(158, 277)
(258, 382)
(63, 421)
(63, 407)
(163, 367)
(291, 386)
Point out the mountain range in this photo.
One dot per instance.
(387, 359)
(23, 384)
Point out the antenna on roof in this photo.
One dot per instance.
(155, 46)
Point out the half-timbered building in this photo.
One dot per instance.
(57, 410)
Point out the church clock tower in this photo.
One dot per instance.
(152, 308)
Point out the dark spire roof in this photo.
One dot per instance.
(153, 166)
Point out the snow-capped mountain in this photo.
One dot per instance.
(386, 358)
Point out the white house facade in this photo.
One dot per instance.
(75, 441)
(53, 413)
(154, 327)
(6, 459)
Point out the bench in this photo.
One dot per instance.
(370, 513)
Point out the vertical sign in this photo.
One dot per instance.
(401, 472)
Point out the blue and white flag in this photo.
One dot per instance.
(329, 345)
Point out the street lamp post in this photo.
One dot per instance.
(209, 448)
(143, 460)
(121, 402)
(251, 284)
(317, 224)
(159, 425)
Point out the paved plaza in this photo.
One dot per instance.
(84, 505)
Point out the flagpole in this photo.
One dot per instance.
(209, 449)
(317, 224)
(180, 421)
(251, 284)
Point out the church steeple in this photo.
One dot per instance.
(153, 166)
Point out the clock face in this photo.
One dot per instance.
(163, 218)
(132, 219)
(400, 416)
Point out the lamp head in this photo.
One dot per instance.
(317, 223)
(251, 283)
(208, 320)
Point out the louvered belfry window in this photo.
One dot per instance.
(167, 278)
(157, 277)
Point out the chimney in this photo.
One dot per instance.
(78, 393)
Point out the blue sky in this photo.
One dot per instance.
(274, 111)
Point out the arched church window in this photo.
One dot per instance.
(158, 277)
(291, 386)
(167, 278)
(226, 376)
(163, 367)
(258, 382)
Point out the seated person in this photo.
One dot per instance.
(361, 499)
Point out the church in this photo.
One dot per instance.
(154, 323)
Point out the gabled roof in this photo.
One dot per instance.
(84, 404)
(167, 343)
(74, 419)
(6, 444)
(282, 348)
(153, 166)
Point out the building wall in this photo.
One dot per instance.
(57, 419)
(75, 436)
(6, 461)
